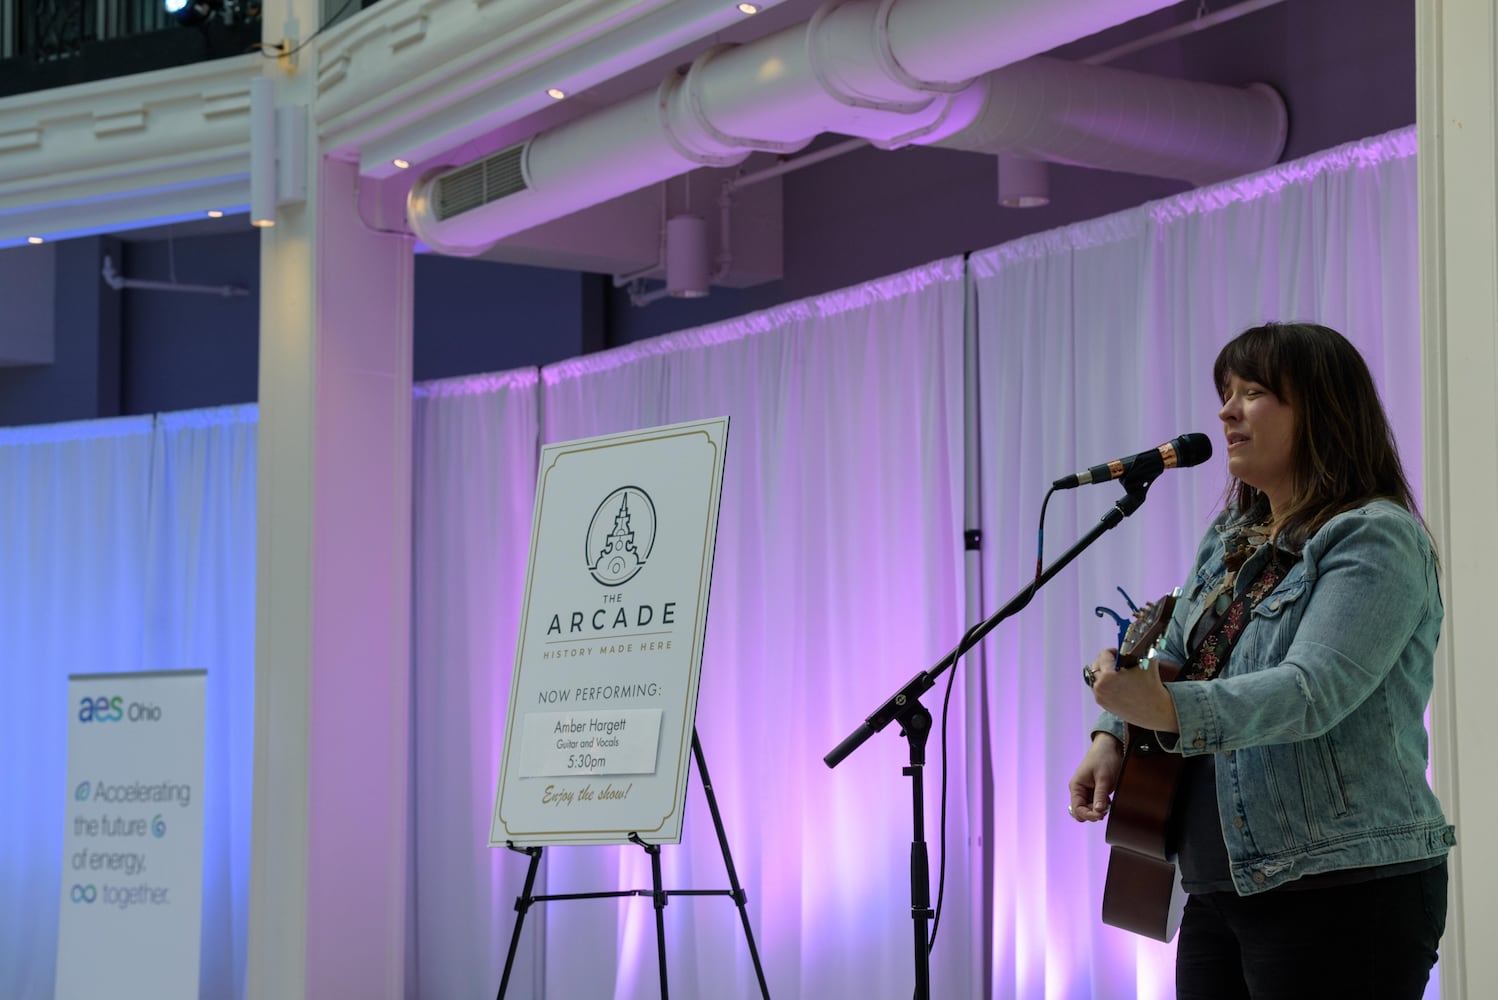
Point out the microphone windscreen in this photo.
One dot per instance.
(1192, 449)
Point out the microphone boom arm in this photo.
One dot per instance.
(907, 698)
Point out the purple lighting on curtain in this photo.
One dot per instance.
(1366, 153)
(836, 578)
(839, 574)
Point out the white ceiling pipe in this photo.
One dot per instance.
(767, 95)
(956, 40)
(606, 154)
(1114, 119)
(858, 67)
(777, 97)
(829, 74)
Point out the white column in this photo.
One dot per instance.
(332, 657)
(1458, 125)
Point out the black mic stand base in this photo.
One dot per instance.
(915, 726)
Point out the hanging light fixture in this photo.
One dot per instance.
(262, 152)
(1023, 182)
(687, 263)
(278, 153)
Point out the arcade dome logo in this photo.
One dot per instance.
(621, 536)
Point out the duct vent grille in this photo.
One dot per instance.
(488, 180)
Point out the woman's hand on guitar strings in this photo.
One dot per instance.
(1093, 783)
(1135, 695)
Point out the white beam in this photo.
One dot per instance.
(1457, 116)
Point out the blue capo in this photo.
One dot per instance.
(1123, 623)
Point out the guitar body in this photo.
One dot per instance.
(1143, 895)
(1142, 892)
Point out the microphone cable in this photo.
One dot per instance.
(1040, 534)
(941, 877)
(946, 704)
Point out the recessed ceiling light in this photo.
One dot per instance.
(214, 213)
(748, 8)
(556, 93)
(34, 240)
(400, 163)
(262, 223)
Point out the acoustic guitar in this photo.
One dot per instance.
(1143, 893)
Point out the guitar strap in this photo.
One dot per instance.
(1207, 659)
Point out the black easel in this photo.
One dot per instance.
(915, 724)
(656, 893)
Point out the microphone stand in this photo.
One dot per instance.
(915, 722)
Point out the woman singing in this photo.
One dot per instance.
(1311, 845)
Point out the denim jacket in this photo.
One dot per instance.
(1318, 717)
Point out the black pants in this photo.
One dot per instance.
(1368, 939)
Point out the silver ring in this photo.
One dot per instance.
(1087, 675)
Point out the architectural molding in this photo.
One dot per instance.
(137, 150)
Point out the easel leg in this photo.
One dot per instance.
(522, 905)
(740, 898)
(659, 895)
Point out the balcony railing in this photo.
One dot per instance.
(52, 43)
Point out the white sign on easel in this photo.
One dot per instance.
(604, 695)
(132, 871)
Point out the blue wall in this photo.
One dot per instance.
(185, 350)
(146, 351)
(81, 383)
(473, 316)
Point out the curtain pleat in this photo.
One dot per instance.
(474, 478)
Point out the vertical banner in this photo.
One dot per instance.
(603, 698)
(132, 867)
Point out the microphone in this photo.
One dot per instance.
(1182, 452)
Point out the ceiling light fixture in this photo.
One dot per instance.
(401, 164)
(214, 213)
(1023, 182)
(748, 8)
(192, 13)
(687, 257)
(262, 152)
(556, 93)
(34, 240)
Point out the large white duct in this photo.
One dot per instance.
(895, 72)
(1095, 116)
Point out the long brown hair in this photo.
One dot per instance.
(1343, 453)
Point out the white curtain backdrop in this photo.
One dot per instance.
(73, 518)
(198, 604)
(127, 545)
(474, 448)
(838, 576)
(1096, 342)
